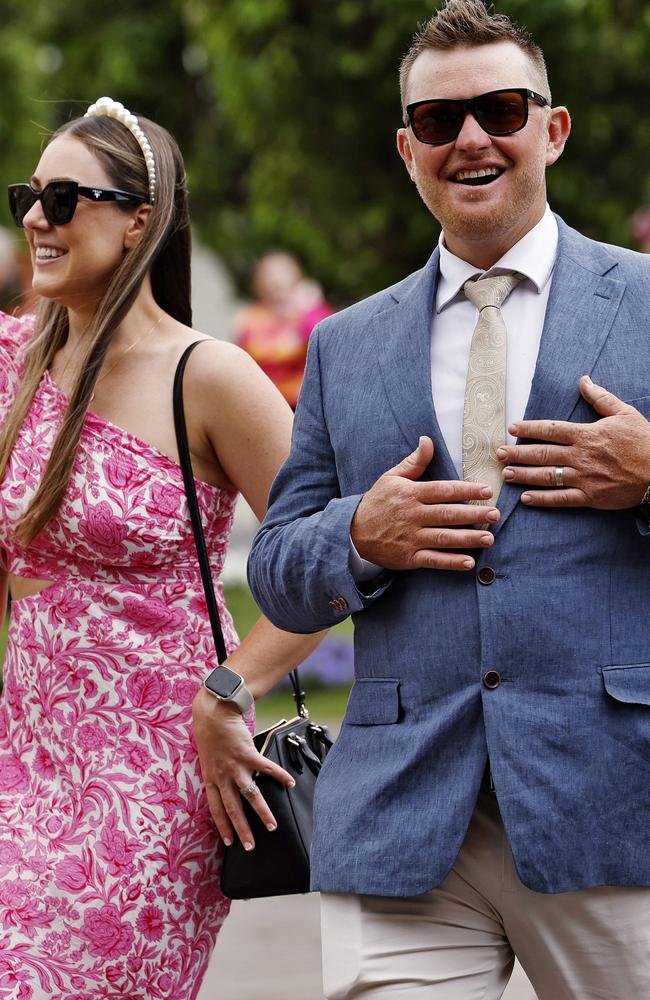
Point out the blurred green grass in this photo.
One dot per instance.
(324, 703)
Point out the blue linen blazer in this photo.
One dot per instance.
(565, 621)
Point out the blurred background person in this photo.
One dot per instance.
(9, 273)
(641, 228)
(274, 329)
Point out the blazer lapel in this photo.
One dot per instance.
(404, 355)
(583, 303)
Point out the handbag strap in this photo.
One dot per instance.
(197, 526)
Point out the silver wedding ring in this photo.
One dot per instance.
(248, 790)
(559, 475)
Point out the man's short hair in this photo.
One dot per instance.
(470, 23)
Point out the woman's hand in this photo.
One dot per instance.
(229, 759)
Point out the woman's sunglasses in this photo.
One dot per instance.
(59, 199)
(500, 112)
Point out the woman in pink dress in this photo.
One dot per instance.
(109, 859)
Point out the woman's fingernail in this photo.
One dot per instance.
(227, 841)
(271, 827)
(248, 846)
(292, 784)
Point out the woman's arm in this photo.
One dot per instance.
(228, 756)
(247, 424)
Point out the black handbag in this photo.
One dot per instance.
(279, 865)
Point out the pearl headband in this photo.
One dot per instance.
(113, 109)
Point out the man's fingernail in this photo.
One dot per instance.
(248, 846)
(526, 498)
(508, 473)
(271, 827)
(501, 453)
(492, 515)
(513, 429)
(487, 539)
(486, 491)
(227, 841)
(469, 564)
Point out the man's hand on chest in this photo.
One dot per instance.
(605, 464)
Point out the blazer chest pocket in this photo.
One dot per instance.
(642, 404)
(374, 701)
(629, 684)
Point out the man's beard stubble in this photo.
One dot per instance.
(473, 226)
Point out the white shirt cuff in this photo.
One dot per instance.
(362, 569)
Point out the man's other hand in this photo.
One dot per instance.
(605, 464)
(402, 523)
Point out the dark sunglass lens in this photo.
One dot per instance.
(437, 121)
(501, 113)
(21, 199)
(59, 201)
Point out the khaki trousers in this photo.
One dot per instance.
(458, 942)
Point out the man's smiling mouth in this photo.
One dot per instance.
(480, 177)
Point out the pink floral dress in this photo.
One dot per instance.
(109, 860)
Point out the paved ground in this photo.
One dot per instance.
(269, 949)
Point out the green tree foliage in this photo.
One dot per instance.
(287, 109)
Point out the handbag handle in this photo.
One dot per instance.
(197, 527)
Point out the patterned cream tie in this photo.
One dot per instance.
(484, 416)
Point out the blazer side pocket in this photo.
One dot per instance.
(374, 701)
(628, 683)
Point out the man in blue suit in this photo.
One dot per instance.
(489, 792)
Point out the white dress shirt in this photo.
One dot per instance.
(454, 320)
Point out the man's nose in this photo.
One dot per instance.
(471, 135)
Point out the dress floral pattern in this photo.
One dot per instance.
(109, 860)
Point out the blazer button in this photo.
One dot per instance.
(486, 576)
(492, 679)
(339, 604)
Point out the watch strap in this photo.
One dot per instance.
(242, 698)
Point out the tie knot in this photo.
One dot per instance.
(491, 291)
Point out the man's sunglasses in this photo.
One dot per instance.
(59, 199)
(500, 112)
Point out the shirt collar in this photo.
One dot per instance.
(533, 256)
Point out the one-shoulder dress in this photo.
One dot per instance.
(109, 860)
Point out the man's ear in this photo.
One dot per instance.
(559, 128)
(136, 226)
(404, 150)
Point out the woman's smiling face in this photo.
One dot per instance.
(74, 263)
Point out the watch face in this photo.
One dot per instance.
(223, 682)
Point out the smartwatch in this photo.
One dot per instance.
(644, 506)
(226, 685)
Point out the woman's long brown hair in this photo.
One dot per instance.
(163, 251)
